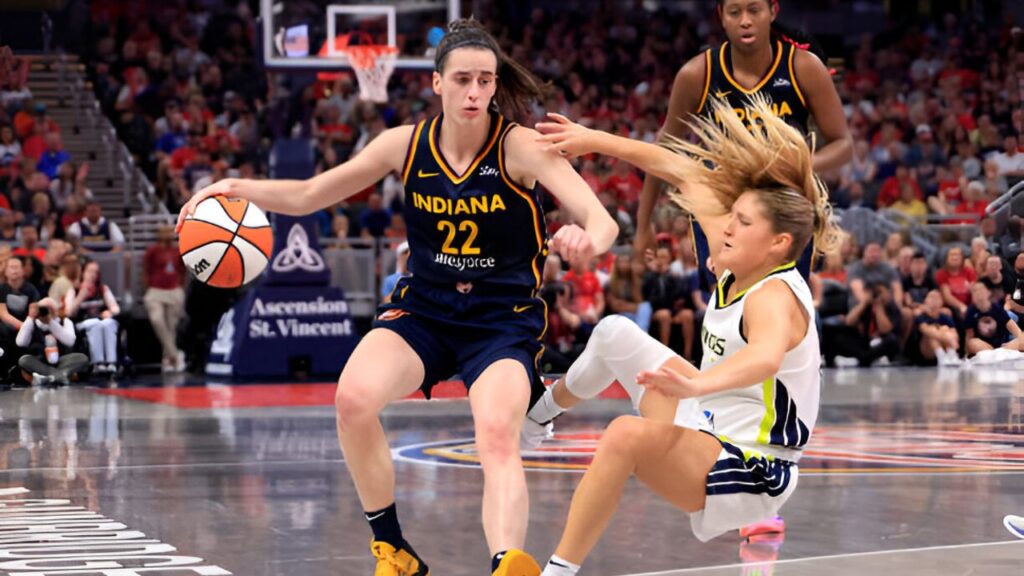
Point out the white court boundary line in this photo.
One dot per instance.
(188, 465)
(830, 557)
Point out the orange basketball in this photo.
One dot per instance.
(227, 242)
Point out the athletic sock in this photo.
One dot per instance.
(546, 409)
(560, 567)
(384, 524)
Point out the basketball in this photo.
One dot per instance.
(227, 242)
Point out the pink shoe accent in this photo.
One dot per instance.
(774, 525)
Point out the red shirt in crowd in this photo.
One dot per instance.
(970, 207)
(626, 188)
(163, 267)
(959, 283)
(585, 288)
(890, 191)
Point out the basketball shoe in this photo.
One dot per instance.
(774, 525)
(400, 562)
(517, 563)
(534, 433)
(1015, 524)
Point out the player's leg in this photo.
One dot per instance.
(617, 350)
(365, 387)
(672, 461)
(499, 397)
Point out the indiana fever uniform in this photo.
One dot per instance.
(781, 88)
(763, 427)
(477, 246)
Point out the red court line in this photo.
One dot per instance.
(270, 395)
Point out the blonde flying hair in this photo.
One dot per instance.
(772, 160)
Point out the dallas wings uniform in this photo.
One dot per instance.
(764, 427)
(477, 246)
(782, 90)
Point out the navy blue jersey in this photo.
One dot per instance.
(477, 227)
(779, 85)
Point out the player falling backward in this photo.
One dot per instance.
(477, 241)
(721, 443)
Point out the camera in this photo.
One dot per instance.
(44, 313)
(1018, 292)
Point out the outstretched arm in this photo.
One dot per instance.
(528, 161)
(824, 104)
(384, 154)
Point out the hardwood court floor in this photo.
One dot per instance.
(909, 473)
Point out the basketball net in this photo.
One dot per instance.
(373, 64)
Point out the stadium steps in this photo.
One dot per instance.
(81, 139)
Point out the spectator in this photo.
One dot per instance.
(624, 292)
(93, 307)
(45, 340)
(374, 219)
(666, 293)
(96, 232)
(53, 157)
(73, 212)
(954, 280)
(56, 249)
(979, 254)
(869, 270)
(10, 150)
(389, 283)
(999, 284)
(70, 276)
(16, 297)
(925, 152)
(70, 181)
(8, 229)
(910, 205)
(894, 243)
(861, 168)
(164, 275)
(934, 339)
(918, 284)
(1010, 161)
(973, 204)
(872, 329)
(588, 296)
(985, 322)
(625, 185)
(892, 187)
(903, 260)
(49, 226)
(565, 340)
(340, 230)
(995, 183)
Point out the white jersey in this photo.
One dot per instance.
(774, 417)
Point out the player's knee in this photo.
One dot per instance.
(623, 436)
(352, 405)
(610, 330)
(497, 439)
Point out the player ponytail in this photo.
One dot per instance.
(517, 86)
(773, 160)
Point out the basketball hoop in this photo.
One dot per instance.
(373, 64)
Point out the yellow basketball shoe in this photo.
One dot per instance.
(517, 563)
(400, 562)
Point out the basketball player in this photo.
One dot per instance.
(757, 58)
(477, 244)
(731, 459)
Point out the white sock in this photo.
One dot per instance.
(546, 409)
(560, 567)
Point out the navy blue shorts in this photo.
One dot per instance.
(456, 333)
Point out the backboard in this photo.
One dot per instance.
(311, 34)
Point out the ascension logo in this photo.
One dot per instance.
(832, 450)
(225, 335)
(297, 253)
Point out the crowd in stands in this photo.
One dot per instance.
(935, 112)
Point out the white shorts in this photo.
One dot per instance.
(742, 491)
(739, 490)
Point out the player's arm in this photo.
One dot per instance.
(768, 312)
(384, 154)
(824, 104)
(528, 161)
(684, 100)
(562, 136)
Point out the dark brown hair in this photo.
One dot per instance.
(517, 86)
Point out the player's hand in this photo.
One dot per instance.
(573, 244)
(670, 383)
(218, 188)
(565, 137)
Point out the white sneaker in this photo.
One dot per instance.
(179, 365)
(846, 362)
(1015, 524)
(534, 433)
(948, 358)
